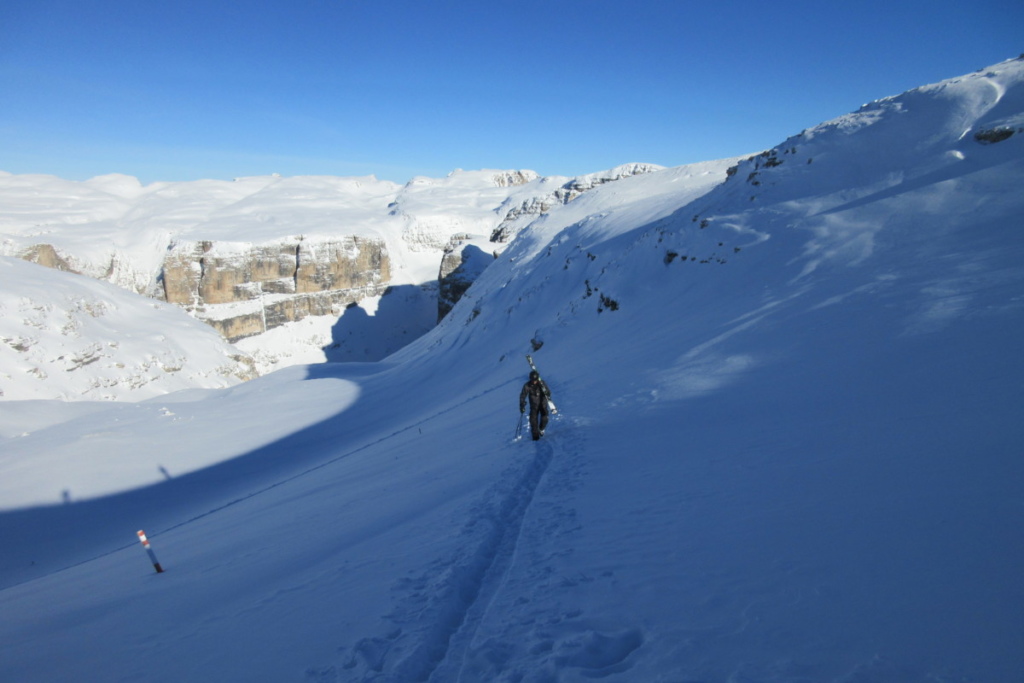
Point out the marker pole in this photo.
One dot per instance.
(149, 551)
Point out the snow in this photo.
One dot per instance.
(790, 451)
(71, 337)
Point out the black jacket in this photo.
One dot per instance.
(537, 392)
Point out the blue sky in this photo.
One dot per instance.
(182, 90)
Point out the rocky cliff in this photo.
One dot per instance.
(244, 290)
(461, 265)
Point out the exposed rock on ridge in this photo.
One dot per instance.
(570, 190)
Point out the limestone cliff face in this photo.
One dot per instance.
(243, 290)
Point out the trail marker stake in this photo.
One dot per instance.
(149, 551)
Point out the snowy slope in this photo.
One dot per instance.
(74, 338)
(789, 450)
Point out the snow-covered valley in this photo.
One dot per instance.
(788, 448)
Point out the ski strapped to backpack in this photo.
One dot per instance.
(551, 404)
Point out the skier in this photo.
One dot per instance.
(537, 391)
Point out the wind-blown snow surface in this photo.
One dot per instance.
(789, 450)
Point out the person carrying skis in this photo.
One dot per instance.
(538, 394)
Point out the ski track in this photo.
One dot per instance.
(440, 630)
(438, 613)
(494, 575)
(537, 623)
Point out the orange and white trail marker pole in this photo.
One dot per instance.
(149, 550)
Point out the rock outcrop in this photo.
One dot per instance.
(517, 216)
(46, 255)
(462, 263)
(243, 290)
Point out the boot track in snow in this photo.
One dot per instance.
(457, 590)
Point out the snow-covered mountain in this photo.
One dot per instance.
(268, 259)
(788, 450)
